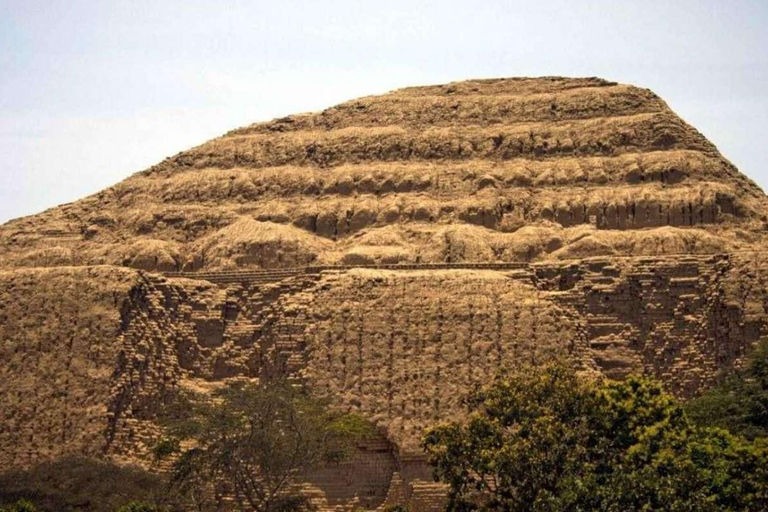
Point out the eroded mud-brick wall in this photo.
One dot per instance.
(59, 340)
(504, 170)
(89, 355)
(402, 347)
(684, 320)
(581, 178)
(90, 371)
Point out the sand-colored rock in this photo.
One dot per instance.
(392, 252)
(495, 154)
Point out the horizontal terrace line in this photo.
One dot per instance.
(270, 275)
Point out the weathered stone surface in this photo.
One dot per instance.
(585, 161)
(392, 252)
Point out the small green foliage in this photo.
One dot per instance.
(740, 403)
(543, 439)
(166, 447)
(20, 506)
(137, 506)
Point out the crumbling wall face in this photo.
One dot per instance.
(59, 339)
(181, 332)
(739, 312)
(682, 319)
(684, 331)
(402, 348)
(361, 481)
(90, 355)
(158, 328)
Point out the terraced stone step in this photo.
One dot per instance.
(538, 140)
(597, 330)
(269, 276)
(607, 342)
(472, 109)
(242, 329)
(600, 274)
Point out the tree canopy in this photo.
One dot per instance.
(254, 442)
(740, 402)
(546, 439)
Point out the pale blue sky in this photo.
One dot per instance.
(93, 91)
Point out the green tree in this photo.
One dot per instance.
(739, 403)
(543, 439)
(255, 442)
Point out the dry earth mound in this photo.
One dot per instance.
(392, 251)
(485, 170)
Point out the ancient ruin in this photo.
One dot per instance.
(392, 252)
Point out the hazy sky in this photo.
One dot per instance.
(93, 91)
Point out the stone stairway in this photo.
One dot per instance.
(63, 238)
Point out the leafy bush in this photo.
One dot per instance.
(20, 506)
(165, 448)
(740, 403)
(77, 483)
(137, 506)
(543, 439)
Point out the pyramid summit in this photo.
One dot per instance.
(485, 170)
(392, 252)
